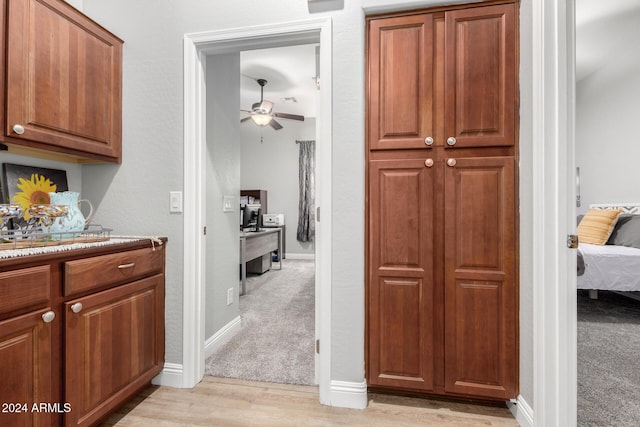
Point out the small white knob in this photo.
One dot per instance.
(48, 316)
(451, 162)
(77, 307)
(428, 140)
(428, 163)
(19, 129)
(451, 141)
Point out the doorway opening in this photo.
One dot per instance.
(275, 339)
(197, 48)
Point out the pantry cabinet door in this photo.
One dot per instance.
(481, 297)
(399, 106)
(400, 293)
(480, 78)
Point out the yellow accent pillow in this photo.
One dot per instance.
(597, 225)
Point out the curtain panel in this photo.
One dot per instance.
(306, 203)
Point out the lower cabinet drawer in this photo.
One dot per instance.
(27, 287)
(97, 272)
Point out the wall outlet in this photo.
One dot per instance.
(229, 296)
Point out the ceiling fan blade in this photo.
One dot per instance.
(275, 125)
(245, 119)
(289, 116)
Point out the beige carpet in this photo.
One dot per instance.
(608, 360)
(276, 342)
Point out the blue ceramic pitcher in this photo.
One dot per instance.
(74, 222)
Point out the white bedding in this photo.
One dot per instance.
(610, 267)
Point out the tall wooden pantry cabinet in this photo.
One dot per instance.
(441, 254)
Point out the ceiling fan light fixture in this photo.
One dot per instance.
(261, 119)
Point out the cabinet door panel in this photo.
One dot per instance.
(114, 345)
(400, 73)
(63, 79)
(480, 284)
(480, 80)
(400, 314)
(25, 352)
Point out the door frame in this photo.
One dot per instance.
(196, 48)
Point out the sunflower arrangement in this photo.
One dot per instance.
(34, 191)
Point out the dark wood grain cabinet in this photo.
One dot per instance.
(81, 350)
(63, 81)
(442, 293)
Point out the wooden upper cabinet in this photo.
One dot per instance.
(480, 82)
(400, 68)
(63, 82)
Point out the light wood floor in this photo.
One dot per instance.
(232, 402)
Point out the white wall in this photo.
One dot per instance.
(607, 112)
(223, 179)
(134, 196)
(272, 165)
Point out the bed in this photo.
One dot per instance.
(614, 266)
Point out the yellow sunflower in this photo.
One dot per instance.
(35, 191)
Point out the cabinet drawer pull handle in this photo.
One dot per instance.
(428, 163)
(451, 162)
(19, 129)
(131, 264)
(77, 307)
(451, 141)
(48, 316)
(428, 140)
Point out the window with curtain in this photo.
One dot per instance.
(306, 203)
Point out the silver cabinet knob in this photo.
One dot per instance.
(428, 163)
(428, 140)
(19, 129)
(451, 141)
(451, 162)
(48, 316)
(77, 307)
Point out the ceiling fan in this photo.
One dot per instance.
(262, 113)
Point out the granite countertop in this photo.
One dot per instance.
(114, 240)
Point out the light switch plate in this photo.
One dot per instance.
(175, 201)
(227, 203)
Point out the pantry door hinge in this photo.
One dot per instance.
(318, 213)
(572, 241)
(204, 230)
(318, 346)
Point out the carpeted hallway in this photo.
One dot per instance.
(608, 360)
(276, 342)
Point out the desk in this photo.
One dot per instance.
(254, 244)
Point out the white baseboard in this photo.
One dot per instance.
(345, 394)
(310, 256)
(522, 412)
(171, 376)
(221, 337)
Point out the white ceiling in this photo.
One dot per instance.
(604, 31)
(290, 72)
